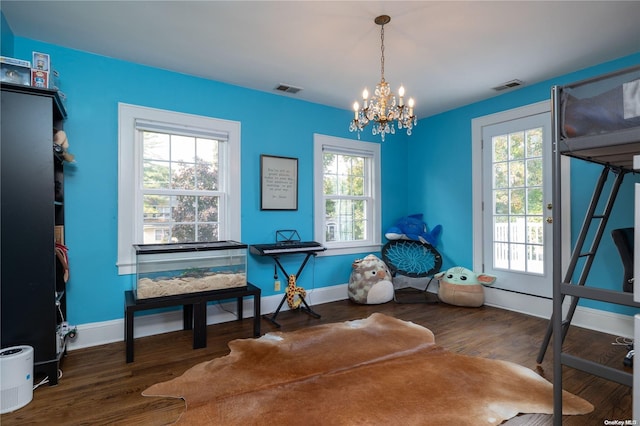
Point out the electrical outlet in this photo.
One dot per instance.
(276, 285)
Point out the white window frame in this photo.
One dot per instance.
(130, 172)
(322, 143)
(476, 152)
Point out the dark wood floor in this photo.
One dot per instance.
(98, 387)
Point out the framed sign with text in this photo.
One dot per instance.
(278, 183)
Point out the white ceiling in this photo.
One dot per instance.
(446, 53)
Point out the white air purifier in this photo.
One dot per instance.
(16, 378)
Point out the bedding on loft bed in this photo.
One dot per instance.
(612, 110)
(599, 119)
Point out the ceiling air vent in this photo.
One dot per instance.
(288, 88)
(508, 85)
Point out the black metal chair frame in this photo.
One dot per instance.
(413, 259)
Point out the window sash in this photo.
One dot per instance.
(196, 221)
(350, 151)
(141, 225)
(367, 157)
(336, 221)
(180, 129)
(370, 152)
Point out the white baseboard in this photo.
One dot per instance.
(93, 334)
(593, 319)
(99, 333)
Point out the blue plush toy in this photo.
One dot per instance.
(412, 227)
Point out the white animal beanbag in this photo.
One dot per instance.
(370, 281)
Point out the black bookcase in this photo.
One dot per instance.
(33, 300)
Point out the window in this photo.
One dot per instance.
(180, 191)
(347, 194)
(178, 180)
(518, 213)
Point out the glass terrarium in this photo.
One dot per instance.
(164, 270)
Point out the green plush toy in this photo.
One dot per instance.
(462, 287)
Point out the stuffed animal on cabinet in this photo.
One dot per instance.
(61, 143)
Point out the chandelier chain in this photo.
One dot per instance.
(382, 51)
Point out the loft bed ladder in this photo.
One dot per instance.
(561, 288)
(578, 253)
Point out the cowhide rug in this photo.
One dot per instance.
(375, 371)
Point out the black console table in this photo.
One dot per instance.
(194, 309)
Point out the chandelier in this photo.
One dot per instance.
(381, 110)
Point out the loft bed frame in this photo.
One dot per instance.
(596, 120)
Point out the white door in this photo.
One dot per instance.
(516, 188)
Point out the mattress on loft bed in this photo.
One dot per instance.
(615, 109)
(600, 118)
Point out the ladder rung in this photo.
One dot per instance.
(590, 253)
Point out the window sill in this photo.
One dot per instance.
(126, 268)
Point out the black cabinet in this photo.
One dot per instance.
(32, 297)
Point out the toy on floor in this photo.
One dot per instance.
(370, 281)
(462, 287)
(412, 227)
(293, 291)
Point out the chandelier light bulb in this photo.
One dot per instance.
(356, 107)
(365, 96)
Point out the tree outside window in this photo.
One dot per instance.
(181, 201)
(345, 197)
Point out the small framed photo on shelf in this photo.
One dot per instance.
(40, 61)
(278, 183)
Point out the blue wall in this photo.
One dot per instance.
(429, 172)
(6, 37)
(440, 178)
(271, 124)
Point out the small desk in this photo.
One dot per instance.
(194, 311)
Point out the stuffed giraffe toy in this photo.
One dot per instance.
(293, 291)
